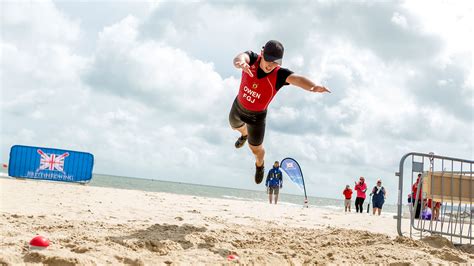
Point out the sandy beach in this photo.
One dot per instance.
(92, 225)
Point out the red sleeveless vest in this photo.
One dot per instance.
(256, 94)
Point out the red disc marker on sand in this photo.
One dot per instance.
(39, 242)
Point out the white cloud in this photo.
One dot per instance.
(451, 20)
(400, 20)
(36, 23)
(209, 31)
(163, 77)
(151, 98)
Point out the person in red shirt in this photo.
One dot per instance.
(262, 78)
(435, 208)
(416, 198)
(348, 196)
(360, 188)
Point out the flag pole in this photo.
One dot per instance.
(304, 187)
(302, 178)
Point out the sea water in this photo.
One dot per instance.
(153, 185)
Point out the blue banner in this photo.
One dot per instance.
(293, 170)
(50, 164)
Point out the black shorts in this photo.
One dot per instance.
(255, 121)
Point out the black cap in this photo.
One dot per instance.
(273, 51)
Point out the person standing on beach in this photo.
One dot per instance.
(416, 198)
(347, 198)
(378, 197)
(361, 188)
(274, 182)
(262, 78)
(435, 208)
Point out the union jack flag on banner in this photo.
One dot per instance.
(52, 161)
(50, 164)
(292, 168)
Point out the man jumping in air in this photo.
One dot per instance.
(262, 78)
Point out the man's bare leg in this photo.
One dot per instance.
(259, 153)
(243, 138)
(242, 130)
(276, 198)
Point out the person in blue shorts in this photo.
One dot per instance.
(378, 197)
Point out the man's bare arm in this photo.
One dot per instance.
(242, 61)
(305, 83)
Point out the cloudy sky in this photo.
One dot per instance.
(147, 86)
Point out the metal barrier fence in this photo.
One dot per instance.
(440, 198)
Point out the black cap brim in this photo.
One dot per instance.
(270, 58)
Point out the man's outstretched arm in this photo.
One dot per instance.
(242, 61)
(305, 83)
